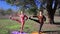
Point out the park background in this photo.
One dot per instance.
(7, 25)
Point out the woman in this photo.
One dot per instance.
(41, 19)
(21, 19)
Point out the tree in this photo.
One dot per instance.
(2, 12)
(23, 3)
(31, 11)
(8, 12)
(51, 11)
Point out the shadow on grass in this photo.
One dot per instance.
(51, 31)
(57, 23)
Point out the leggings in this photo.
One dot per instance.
(41, 24)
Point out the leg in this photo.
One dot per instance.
(22, 26)
(13, 18)
(35, 20)
(40, 27)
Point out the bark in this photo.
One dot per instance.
(51, 11)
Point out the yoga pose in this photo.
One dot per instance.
(41, 19)
(21, 19)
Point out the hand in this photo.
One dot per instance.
(30, 17)
(25, 18)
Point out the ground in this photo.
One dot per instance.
(7, 25)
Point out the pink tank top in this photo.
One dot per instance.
(21, 17)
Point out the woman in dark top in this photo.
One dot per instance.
(41, 19)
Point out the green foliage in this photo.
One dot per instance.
(2, 12)
(23, 4)
(32, 3)
(10, 1)
(15, 2)
(7, 25)
(9, 11)
(32, 11)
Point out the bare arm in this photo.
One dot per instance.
(26, 17)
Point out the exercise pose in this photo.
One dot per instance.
(21, 19)
(41, 19)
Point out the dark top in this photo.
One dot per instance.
(41, 18)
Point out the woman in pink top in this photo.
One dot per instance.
(21, 19)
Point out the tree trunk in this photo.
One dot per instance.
(51, 11)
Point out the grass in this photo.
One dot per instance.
(7, 25)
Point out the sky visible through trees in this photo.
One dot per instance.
(5, 6)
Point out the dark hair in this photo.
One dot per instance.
(41, 11)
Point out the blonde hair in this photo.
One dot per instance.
(19, 12)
